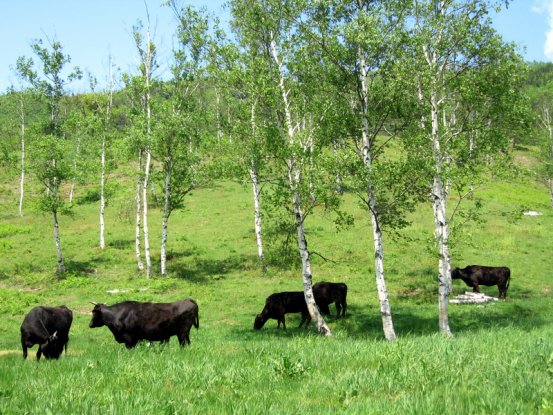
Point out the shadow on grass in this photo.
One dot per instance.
(463, 318)
(121, 243)
(82, 268)
(203, 270)
(364, 322)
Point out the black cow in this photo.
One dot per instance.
(279, 304)
(476, 275)
(49, 328)
(133, 321)
(331, 292)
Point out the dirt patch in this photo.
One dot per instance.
(526, 160)
(7, 352)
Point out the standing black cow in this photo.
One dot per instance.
(133, 321)
(279, 304)
(476, 275)
(331, 292)
(49, 328)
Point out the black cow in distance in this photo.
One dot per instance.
(476, 275)
(331, 292)
(279, 304)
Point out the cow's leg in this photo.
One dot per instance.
(182, 339)
(24, 347)
(305, 318)
(130, 343)
(502, 291)
(39, 352)
(475, 288)
(283, 322)
(338, 308)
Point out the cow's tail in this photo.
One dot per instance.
(508, 278)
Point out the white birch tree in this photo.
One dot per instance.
(147, 57)
(457, 57)
(361, 45)
(263, 25)
(51, 168)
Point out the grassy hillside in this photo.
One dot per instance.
(499, 361)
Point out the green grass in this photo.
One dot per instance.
(499, 361)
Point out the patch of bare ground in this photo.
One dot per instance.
(526, 160)
(7, 352)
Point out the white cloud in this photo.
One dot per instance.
(546, 7)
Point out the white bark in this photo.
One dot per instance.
(254, 177)
(218, 114)
(147, 63)
(257, 215)
(103, 157)
(166, 213)
(437, 66)
(439, 200)
(102, 200)
(385, 308)
(22, 141)
(137, 199)
(546, 121)
(61, 265)
(145, 213)
(294, 180)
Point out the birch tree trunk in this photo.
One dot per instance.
(257, 215)
(439, 199)
(385, 308)
(218, 114)
(107, 120)
(145, 213)
(254, 177)
(166, 213)
(139, 263)
(22, 141)
(546, 121)
(147, 61)
(294, 180)
(61, 265)
(102, 200)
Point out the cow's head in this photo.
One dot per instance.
(52, 348)
(259, 322)
(97, 317)
(455, 274)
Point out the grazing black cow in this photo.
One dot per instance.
(476, 275)
(279, 304)
(49, 328)
(331, 292)
(133, 321)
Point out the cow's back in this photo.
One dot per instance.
(154, 321)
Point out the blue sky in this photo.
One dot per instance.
(92, 30)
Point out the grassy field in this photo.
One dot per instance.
(500, 359)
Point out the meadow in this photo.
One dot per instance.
(500, 359)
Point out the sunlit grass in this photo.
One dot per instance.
(499, 360)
